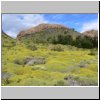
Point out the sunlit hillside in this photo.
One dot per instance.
(49, 61)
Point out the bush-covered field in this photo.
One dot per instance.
(46, 64)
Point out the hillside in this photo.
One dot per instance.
(7, 41)
(45, 33)
(43, 63)
(91, 33)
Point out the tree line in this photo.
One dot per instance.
(80, 41)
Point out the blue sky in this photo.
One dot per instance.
(12, 24)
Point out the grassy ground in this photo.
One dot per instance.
(64, 66)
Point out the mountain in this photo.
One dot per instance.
(45, 33)
(40, 28)
(91, 33)
(7, 41)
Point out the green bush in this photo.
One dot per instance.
(80, 81)
(83, 65)
(56, 47)
(19, 62)
(93, 52)
(60, 83)
(32, 47)
(84, 81)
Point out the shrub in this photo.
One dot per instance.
(73, 80)
(83, 65)
(32, 47)
(19, 71)
(34, 60)
(65, 32)
(67, 39)
(93, 52)
(5, 78)
(60, 83)
(86, 42)
(56, 48)
(19, 62)
(85, 81)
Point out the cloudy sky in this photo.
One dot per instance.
(12, 24)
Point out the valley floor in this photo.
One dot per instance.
(49, 65)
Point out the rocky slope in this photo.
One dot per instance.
(40, 28)
(45, 33)
(91, 33)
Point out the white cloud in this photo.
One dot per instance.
(57, 16)
(89, 25)
(12, 24)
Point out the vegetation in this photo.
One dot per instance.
(50, 60)
(7, 41)
(56, 47)
(57, 66)
(32, 47)
(80, 41)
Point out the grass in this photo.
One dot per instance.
(59, 64)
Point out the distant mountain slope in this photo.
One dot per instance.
(7, 41)
(45, 33)
(91, 33)
(40, 28)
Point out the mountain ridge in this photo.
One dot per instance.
(45, 33)
(41, 27)
(91, 33)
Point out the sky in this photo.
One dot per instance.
(12, 24)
